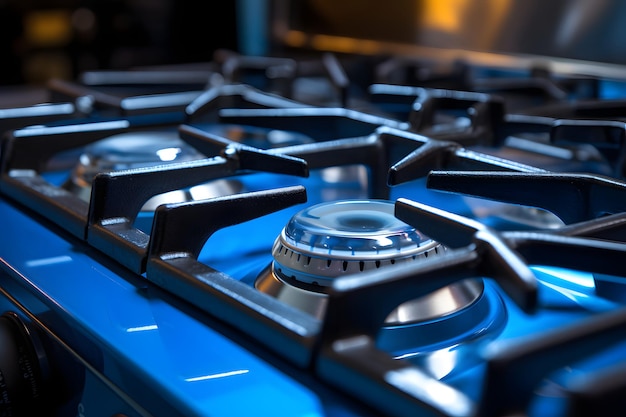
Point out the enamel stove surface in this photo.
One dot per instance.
(145, 323)
(138, 312)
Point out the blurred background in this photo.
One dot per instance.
(43, 39)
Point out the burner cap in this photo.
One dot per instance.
(326, 241)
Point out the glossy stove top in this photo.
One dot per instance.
(161, 312)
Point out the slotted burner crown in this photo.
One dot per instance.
(329, 240)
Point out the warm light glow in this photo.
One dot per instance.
(451, 16)
(48, 27)
(295, 38)
(499, 10)
(341, 44)
(444, 15)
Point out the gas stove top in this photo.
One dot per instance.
(333, 236)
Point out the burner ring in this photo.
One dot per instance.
(329, 240)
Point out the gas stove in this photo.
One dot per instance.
(329, 236)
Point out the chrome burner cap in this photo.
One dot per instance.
(330, 240)
(327, 241)
(135, 150)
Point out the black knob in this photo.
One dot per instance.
(21, 379)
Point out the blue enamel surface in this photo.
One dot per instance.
(142, 337)
(163, 353)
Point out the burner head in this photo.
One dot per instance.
(138, 150)
(441, 332)
(327, 241)
(331, 240)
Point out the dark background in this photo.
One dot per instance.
(45, 39)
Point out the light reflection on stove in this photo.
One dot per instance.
(413, 381)
(168, 154)
(217, 376)
(356, 173)
(578, 278)
(439, 363)
(48, 261)
(451, 345)
(521, 216)
(577, 299)
(146, 328)
(561, 288)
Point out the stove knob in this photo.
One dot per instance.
(21, 362)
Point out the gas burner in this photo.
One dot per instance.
(143, 149)
(331, 240)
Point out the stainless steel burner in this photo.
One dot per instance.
(142, 149)
(330, 240)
